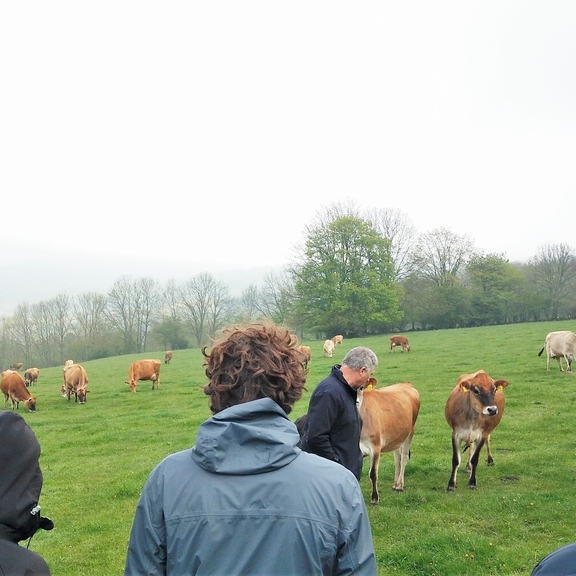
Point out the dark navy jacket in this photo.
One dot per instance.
(333, 423)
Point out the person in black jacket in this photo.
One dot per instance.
(333, 424)
(20, 486)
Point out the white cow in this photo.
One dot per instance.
(328, 348)
(560, 345)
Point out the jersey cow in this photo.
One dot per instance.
(167, 356)
(337, 339)
(560, 345)
(144, 370)
(14, 388)
(306, 352)
(388, 418)
(401, 341)
(473, 410)
(16, 366)
(31, 376)
(75, 382)
(328, 348)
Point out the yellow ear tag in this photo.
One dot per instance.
(500, 388)
(465, 388)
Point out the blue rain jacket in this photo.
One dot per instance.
(246, 500)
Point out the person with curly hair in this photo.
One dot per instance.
(245, 499)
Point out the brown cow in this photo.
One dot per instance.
(76, 381)
(337, 339)
(328, 348)
(167, 356)
(388, 418)
(307, 354)
(473, 410)
(144, 370)
(16, 366)
(401, 341)
(31, 376)
(14, 387)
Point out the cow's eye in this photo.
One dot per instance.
(476, 390)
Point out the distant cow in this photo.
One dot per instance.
(31, 376)
(17, 366)
(167, 356)
(144, 370)
(307, 354)
(337, 339)
(560, 345)
(14, 387)
(473, 410)
(328, 348)
(76, 382)
(401, 341)
(388, 418)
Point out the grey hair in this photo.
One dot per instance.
(361, 357)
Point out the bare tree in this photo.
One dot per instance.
(43, 332)
(205, 303)
(395, 226)
(147, 303)
(441, 255)
(277, 297)
(90, 315)
(554, 269)
(121, 312)
(22, 333)
(61, 309)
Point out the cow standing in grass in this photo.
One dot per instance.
(561, 344)
(144, 370)
(14, 388)
(473, 410)
(76, 382)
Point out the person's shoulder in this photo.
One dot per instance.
(330, 472)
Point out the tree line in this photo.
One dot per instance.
(357, 272)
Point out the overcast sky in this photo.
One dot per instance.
(213, 132)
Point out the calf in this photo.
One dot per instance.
(328, 348)
(560, 345)
(473, 410)
(401, 341)
(167, 356)
(14, 387)
(388, 418)
(144, 370)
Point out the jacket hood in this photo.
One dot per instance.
(20, 480)
(248, 438)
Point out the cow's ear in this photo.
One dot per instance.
(500, 384)
(465, 386)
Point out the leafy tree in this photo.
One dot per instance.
(345, 283)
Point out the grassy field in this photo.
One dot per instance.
(96, 457)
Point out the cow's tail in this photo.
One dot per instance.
(540, 353)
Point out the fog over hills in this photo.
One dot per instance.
(35, 276)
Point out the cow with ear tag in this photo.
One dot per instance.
(473, 410)
(20, 486)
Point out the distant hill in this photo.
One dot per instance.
(33, 277)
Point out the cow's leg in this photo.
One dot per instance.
(455, 464)
(474, 462)
(401, 457)
(489, 459)
(374, 464)
(568, 363)
(471, 446)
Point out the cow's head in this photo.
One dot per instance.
(63, 390)
(30, 404)
(407, 347)
(81, 395)
(132, 385)
(483, 389)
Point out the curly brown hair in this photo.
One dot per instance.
(256, 361)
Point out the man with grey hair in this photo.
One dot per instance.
(333, 423)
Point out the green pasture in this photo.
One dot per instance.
(96, 457)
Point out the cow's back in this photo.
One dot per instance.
(561, 342)
(75, 375)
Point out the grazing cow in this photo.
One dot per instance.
(307, 354)
(167, 356)
(473, 410)
(401, 341)
(337, 339)
(388, 418)
(328, 348)
(16, 366)
(76, 381)
(144, 370)
(14, 387)
(560, 345)
(68, 363)
(31, 376)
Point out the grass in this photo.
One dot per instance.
(96, 457)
